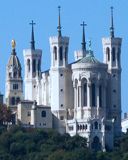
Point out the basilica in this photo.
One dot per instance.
(80, 98)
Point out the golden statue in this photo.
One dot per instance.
(13, 44)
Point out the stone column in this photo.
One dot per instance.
(89, 98)
(75, 100)
(104, 98)
(80, 96)
(97, 99)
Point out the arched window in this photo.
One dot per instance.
(66, 52)
(80, 127)
(61, 53)
(85, 94)
(17, 100)
(100, 96)
(93, 95)
(39, 67)
(86, 126)
(55, 52)
(13, 100)
(19, 73)
(113, 54)
(118, 56)
(34, 65)
(96, 125)
(15, 74)
(83, 127)
(100, 126)
(28, 64)
(43, 113)
(108, 53)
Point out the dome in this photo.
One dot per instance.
(89, 58)
(13, 60)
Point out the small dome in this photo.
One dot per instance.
(14, 61)
(89, 58)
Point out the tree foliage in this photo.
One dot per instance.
(38, 144)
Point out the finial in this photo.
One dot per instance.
(83, 37)
(112, 24)
(59, 23)
(13, 43)
(32, 36)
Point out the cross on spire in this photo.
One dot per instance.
(32, 36)
(112, 24)
(83, 37)
(59, 23)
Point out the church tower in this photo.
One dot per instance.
(32, 62)
(59, 74)
(14, 82)
(112, 57)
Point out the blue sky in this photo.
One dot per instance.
(15, 16)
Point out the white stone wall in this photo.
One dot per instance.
(114, 71)
(31, 77)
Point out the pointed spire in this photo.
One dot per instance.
(59, 23)
(83, 37)
(112, 24)
(32, 36)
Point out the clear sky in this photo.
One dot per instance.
(15, 16)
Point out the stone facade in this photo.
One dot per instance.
(84, 96)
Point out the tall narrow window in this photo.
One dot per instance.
(113, 54)
(39, 67)
(100, 96)
(85, 94)
(43, 113)
(61, 53)
(96, 125)
(17, 100)
(118, 56)
(28, 64)
(93, 95)
(15, 74)
(13, 100)
(55, 52)
(108, 53)
(34, 65)
(66, 52)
